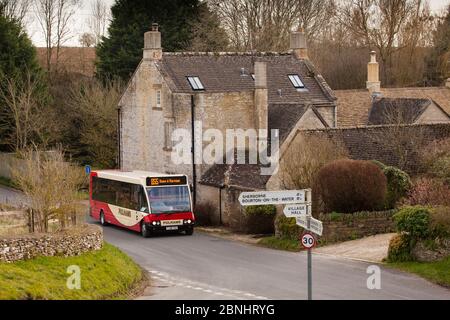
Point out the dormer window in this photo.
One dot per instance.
(195, 83)
(296, 82)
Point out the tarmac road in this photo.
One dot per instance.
(206, 267)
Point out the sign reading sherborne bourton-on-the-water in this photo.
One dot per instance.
(272, 197)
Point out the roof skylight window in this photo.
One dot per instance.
(296, 82)
(195, 83)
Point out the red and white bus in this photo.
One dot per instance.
(145, 202)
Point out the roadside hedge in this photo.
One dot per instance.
(398, 185)
(260, 219)
(414, 221)
(351, 186)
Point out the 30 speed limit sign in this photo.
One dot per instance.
(308, 241)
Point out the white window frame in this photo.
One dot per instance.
(158, 98)
(296, 81)
(195, 83)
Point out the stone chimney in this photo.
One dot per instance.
(152, 44)
(373, 74)
(298, 44)
(261, 95)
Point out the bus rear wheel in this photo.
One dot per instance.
(144, 231)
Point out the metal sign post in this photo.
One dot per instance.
(309, 262)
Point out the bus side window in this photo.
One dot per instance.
(143, 205)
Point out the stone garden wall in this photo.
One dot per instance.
(68, 243)
(348, 226)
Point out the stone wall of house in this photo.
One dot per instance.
(349, 226)
(210, 195)
(68, 243)
(380, 142)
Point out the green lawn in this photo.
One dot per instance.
(437, 272)
(280, 243)
(105, 274)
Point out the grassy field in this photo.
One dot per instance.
(437, 272)
(105, 274)
(280, 244)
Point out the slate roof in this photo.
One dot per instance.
(221, 72)
(353, 106)
(393, 110)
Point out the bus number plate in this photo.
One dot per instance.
(171, 228)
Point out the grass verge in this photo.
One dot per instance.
(7, 182)
(437, 272)
(280, 243)
(105, 274)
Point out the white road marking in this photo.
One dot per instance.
(206, 288)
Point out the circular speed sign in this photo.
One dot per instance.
(308, 240)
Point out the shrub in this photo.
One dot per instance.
(400, 248)
(351, 185)
(436, 159)
(426, 191)
(269, 210)
(287, 228)
(414, 221)
(203, 213)
(440, 222)
(260, 219)
(398, 185)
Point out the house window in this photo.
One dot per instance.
(158, 98)
(195, 83)
(296, 82)
(168, 128)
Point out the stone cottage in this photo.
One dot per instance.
(226, 90)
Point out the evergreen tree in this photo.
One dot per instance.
(119, 54)
(17, 53)
(18, 63)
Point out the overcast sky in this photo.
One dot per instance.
(79, 24)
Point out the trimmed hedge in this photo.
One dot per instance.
(400, 248)
(351, 186)
(287, 228)
(260, 219)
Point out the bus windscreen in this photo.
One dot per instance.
(172, 199)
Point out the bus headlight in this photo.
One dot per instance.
(189, 221)
(154, 223)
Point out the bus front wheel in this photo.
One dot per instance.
(102, 219)
(144, 231)
(190, 232)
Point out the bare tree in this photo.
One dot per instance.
(383, 24)
(398, 137)
(15, 9)
(21, 97)
(98, 133)
(51, 184)
(306, 155)
(98, 22)
(264, 25)
(54, 17)
(87, 40)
